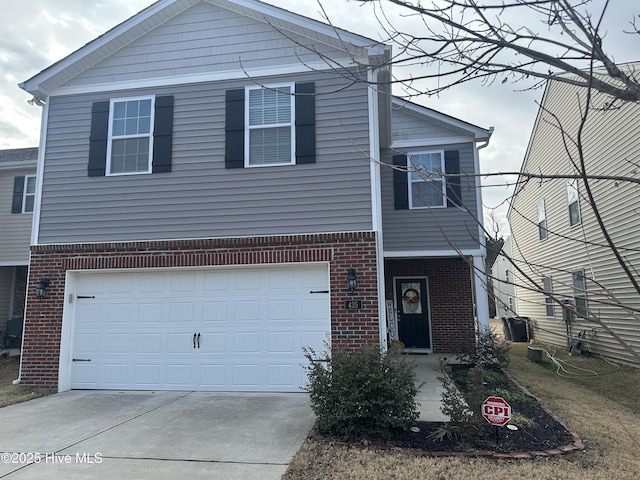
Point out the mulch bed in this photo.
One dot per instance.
(545, 436)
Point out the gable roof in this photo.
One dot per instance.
(478, 133)
(41, 84)
(19, 157)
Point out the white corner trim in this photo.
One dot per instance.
(35, 222)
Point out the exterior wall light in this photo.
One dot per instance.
(352, 280)
(42, 286)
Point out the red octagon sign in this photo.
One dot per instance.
(496, 411)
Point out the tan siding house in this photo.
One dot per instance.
(557, 241)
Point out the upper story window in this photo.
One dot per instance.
(24, 194)
(579, 282)
(270, 114)
(547, 285)
(542, 221)
(573, 202)
(506, 276)
(130, 141)
(427, 186)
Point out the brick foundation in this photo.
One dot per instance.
(42, 333)
(450, 298)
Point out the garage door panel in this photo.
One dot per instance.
(253, 323)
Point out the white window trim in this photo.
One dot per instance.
(583, 273)
(25, 194)
(247, 127)
(410, 169)
(573, 184)
(110, 137)
(541, 215)
(548, 301)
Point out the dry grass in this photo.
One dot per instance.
(9, 393)
(603, 410)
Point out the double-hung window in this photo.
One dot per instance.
(130, 143)
(24, 194)
(579, 282)
(427, 186)
(270, 114)
(573, 202)
(542, 220)
(547, 286)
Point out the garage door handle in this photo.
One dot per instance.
(319, 291)
(81, 359)
(194, 340)
(198, 339)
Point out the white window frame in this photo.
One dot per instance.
(149, 135)
(506, 275)
(573, 197)
(549, 306)
(511, 304)
(25, 194)
(248, 127)
(412, 169)
(542, 217)
(582, 294)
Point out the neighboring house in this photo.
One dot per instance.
(17, 195)
(555, 234)
(217, 191)
(504, 280)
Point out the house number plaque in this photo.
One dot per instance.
(353, 305)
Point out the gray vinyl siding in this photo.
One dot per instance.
(15, 233)
(504, 290)
(408, 126)
(206, 39)
(200, 198)
(430, 228)
(612, 146)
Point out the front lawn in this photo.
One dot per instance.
(603, 410)
(9, 393)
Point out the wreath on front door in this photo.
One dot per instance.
(411, 296)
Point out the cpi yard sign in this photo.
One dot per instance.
(496, 411)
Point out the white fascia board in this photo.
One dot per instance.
(33, 84)
(195, 78)
(433, 253)
(477, 132)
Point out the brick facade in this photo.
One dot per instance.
(43, 325)
(450, 298)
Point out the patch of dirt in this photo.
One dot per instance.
(542, 431)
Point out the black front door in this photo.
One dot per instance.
(413, 312)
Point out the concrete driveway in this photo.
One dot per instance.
(156, 435)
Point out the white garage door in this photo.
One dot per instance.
(238, 329)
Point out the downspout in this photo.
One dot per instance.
(35, 223)
(479, 274)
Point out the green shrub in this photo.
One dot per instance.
(490, 351)
(361, 394)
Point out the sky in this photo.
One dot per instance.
(37, 33)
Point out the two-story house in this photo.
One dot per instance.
(222, 183)
(504, 282)
(557, 240)
(17, 197)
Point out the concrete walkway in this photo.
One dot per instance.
(430, 393)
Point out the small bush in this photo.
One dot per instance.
(490, 351)
(361, 394)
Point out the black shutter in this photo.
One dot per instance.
(305, 101)
(400, 183)
(162, 134)
(18, 191)
(452, 167)
(98, 139)
(234, 129)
